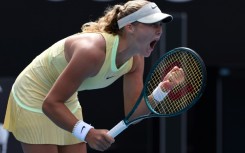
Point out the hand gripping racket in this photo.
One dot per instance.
(180, 98)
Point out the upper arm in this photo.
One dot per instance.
(84, 60)
(133, 83)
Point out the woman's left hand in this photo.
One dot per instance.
(172, 79)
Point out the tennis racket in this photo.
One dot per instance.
(180, 98)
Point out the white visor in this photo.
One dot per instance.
(149, 13)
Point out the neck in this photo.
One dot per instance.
(124, 51)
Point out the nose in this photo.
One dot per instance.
(159, 30)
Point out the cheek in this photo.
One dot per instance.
(144, 37)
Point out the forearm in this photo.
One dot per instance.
(142, 109)
(60, 115)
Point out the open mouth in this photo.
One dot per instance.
(153, 43)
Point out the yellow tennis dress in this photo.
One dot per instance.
(24, 116)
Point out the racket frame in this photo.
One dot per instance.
(122, 125)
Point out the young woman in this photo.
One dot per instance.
(43, 111)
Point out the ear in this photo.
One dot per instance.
(130, 28)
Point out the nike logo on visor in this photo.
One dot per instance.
(153, 7)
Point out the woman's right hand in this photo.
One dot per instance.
(98, 139)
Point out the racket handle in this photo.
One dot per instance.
(121, 126)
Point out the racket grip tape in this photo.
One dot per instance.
(121, 126)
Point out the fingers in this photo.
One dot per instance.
(103, 145)
(173, 78)
(176, 76)
(100, 140)
(105, 142)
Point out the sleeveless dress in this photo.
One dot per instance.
(24, 116)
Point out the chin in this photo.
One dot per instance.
(148, 55)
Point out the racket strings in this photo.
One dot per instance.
(183, 94)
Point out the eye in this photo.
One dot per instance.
(156, 24)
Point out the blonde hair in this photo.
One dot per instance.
(108, 22)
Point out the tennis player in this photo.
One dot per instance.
(43, 111)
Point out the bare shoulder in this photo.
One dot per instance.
(85, 49)
(90, 44)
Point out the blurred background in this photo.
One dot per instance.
(213, 28)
